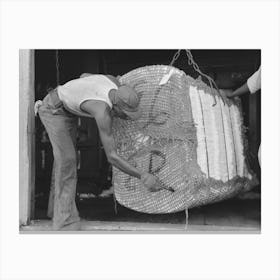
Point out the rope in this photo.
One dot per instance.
(233, 139)
(225, 142)
(57, 67)
(205, 136)
(115, 202)
(187, 218)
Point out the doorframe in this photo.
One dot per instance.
(26, 135)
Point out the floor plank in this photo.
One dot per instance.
(91, 226)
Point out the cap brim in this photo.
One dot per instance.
(133, 115)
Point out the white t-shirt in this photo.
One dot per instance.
(254, 82)
(75, 92)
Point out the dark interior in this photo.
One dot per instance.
(229, 68)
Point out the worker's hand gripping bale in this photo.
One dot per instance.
(252, 85)
(150, 182)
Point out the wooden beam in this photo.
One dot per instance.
(27, 136)
(44, 226)
(254, 131)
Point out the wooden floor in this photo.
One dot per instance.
(44, 226)
(233, 216)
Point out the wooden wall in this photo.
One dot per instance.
(26, 134)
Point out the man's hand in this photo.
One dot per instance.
(150, 182)
(238, 92)
(229, 94)
(226, 93)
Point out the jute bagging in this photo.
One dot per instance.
(193, 147)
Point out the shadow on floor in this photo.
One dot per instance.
(233, 212)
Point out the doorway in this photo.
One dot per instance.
(95, 200)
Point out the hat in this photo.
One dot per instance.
(127, 100)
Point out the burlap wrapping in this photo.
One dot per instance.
(193, 147)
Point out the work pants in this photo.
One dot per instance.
(61, 127)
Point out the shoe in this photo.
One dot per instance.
(75, 226)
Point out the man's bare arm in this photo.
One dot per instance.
(104, 124)
(238, 92)
(100, 111)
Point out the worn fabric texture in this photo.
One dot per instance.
(193, 147)
(61, 127)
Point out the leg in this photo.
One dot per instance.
(59, 124)
(51, 195)
(73, 134)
